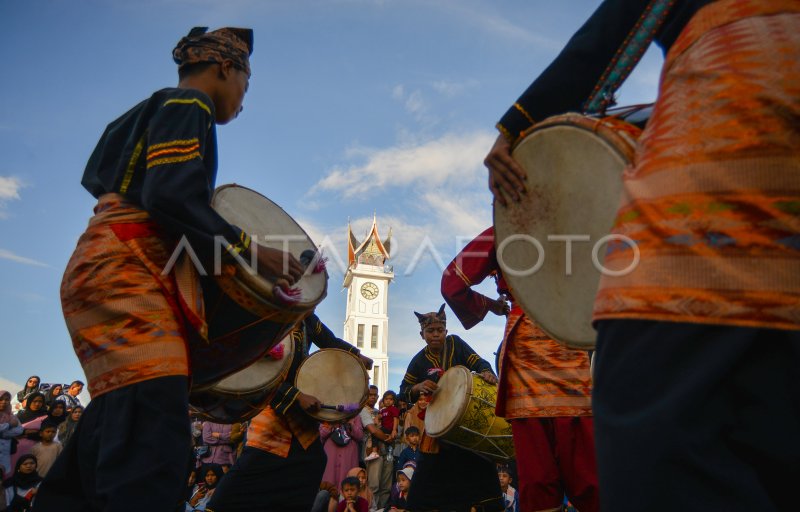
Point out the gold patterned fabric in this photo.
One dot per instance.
(713, 197)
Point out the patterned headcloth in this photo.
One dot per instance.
(431, 318)
(235, 44)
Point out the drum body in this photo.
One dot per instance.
(461, 412)
(336, 377)
(244, 319)
(574, 166)
(242, 395)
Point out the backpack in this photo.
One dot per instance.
(339, 436)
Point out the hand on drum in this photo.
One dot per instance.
(488, 377)
(506, 177)
(308, 403)
(499, 306)
(426, 386)
(366, 361)
(278, 265)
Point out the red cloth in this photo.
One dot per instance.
(361, 505)
(558, 459)
(388, 414)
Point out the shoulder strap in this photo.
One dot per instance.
(627, 56)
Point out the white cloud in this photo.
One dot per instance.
(450, 157)
(9, 188)
(10, 386)
(8, 255)
(449, 88)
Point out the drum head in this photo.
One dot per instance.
(270, 226)
(574, 185)
(265, 373)
(449, 401)
(335, 377)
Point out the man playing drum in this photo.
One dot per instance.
(283, 461)
(153, 173)
(447, 477)
(696, 397)
(544, 391)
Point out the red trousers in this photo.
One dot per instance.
(555, 457)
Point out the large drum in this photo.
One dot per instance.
(242, 395)
(338, 379)
(461, 412)
(244, 317)
(552, 244)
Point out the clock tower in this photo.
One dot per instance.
(367, 281)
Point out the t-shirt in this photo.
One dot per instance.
(388, 414)
(361, 505)
(45, 456)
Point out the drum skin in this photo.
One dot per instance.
(244, 320)
(242, 395)
(574, 166)
(334, 377)
(461, 412)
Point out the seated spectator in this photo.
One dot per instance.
(52, 393)
(203, 491)
(10, 428)
(363, 490)
(398, 504)
(412, 449)
(340, 442)
(47, 449)
(70, 398)
(31, 386)
(509, 493)
(20, 489)
(351, 501)
(67, 428)
(327, 498)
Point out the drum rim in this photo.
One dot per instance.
(362, 401)
(287, 361)
(463, 371)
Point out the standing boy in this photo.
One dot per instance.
(47, 449)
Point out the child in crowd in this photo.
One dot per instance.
(203, 491)
(47, 449)
(398, 504)
(389, 421)
(410, 454)
(509, 493)
(20, 489)
(351, 501)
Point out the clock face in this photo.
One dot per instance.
(369, 290)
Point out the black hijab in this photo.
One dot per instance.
(57, 420)
(20, 480)
(26, 415)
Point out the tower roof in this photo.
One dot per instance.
(371, 250)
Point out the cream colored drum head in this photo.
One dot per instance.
(270, 226)
(574, 166)
(266, 373)
(335, 377)
(448, 402)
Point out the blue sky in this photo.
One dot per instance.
(355, 107)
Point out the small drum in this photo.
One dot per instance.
(337, 378)
(461, 412)
(242, 395)
(574, 165)
(244, 319)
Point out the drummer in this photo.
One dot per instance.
(544, 392)
(153, 173)
(448, 477)
(695, 392)
(282, 463)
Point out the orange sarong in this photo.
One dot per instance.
(713, 197)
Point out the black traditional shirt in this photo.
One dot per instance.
(428, 366)
(162, 156)
(569, 80)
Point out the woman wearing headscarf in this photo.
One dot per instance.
(31, 386)
(34, 408)
(20, 489)
(30, 418)
(363, 489)
(57, 414)
(10, 428)
(211, 474)
(51, 394)
(67, 428)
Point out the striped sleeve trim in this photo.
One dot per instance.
(460, 273)
(175, 151)
(137, 152)
(242, 245)
(410, 379)
(524, 113)
(191, 101)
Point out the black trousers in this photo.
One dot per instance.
(260, 481)
(130, 452)
(696, 417)
(455, 479)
